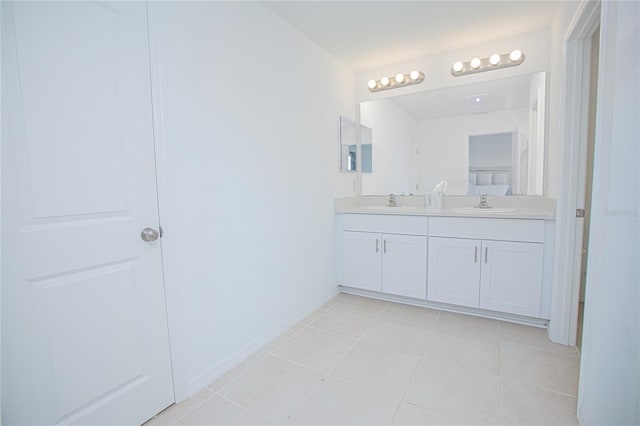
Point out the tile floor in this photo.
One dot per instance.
(368, 362)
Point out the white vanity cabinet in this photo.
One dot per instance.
(361, 259)
(511, 277)
(500, 270)
(454, 271)
(393, 261)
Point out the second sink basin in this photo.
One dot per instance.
(479, 210)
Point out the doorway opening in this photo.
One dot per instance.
(590, 144)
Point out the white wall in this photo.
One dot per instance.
(443, 145)
(555, 146)
(394, 138)
(247, 113)
(609, 390)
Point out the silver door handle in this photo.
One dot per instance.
(377, 245)
(385, 246)
(475, 255)
(486, 253)
(149, 234)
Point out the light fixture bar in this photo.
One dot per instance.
(493, 62)
(398, 80)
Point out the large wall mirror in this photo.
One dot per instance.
(484, 137)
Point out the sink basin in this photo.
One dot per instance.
(391, 209)
(479, 210)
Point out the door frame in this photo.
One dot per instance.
(574, 127)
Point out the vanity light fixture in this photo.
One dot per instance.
(399, 80)
(493, 62)
(515, 55)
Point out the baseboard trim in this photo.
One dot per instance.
(518, 319)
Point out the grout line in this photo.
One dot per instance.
(555, 391)
(192, 409)
(299, 364)
(347, 352)
(241, 372)
(404, 394)
(538, 348)
(333, 333)
(237, 404)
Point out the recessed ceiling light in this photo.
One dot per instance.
(478, 100)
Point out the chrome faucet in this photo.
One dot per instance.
(392, 201)
(483, 202)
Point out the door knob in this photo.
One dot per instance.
(149, 234)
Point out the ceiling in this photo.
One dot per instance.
(494, 95)
(370, 34)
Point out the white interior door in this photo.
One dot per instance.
(84, 327)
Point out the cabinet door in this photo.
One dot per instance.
(511, 277)
(361, 260)
(404, 265)
(454, 271)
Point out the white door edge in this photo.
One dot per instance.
(167, 214)
(568, 251)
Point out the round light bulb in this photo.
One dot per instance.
(399, 78)
(372, 84)
(477, 100)
(384, 81)
(494, 59)
(415, 74)
(475, 63)
(515, 55)
(457, 66)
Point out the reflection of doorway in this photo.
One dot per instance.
(593, 84)
(491, 159)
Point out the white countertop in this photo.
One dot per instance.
(454, 206)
